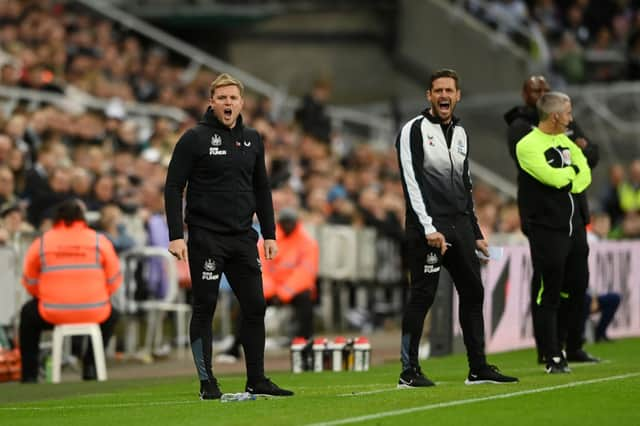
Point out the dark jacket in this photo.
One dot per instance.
(227, 180)
(521, 120)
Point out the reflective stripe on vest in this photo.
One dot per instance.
(71, 267)
(30, 281)
(114, 278)
(74, 306)
(45, 268)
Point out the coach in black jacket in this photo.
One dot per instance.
(222, 161)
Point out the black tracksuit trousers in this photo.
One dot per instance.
(559, 287)
(210, 255)
(463, 265)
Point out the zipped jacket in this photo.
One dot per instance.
(227, 180)
(434, 166)
(72, 271)
(552, 170)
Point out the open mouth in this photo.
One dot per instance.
(444, 105)
(227, 113)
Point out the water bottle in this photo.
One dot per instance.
(234, 397)
(362, 354)
(318, 353)
(297, 358)
(337, 348)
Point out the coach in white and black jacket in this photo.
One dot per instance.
(442, 229)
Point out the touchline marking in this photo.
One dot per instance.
(120, 405)
(470, 401)
(383, 390)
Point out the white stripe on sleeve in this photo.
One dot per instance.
(413, 189)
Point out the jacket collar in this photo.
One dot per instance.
(209, 119)
(436, 120)
(78, 224)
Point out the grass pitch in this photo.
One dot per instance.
(593, 394)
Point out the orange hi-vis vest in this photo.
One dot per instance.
(295, 267)
(72, 271)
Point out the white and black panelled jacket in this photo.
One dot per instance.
(434, 164)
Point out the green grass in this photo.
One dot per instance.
(598, 394)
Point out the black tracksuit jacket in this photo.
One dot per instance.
(227, 180)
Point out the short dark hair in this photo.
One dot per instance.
(69, 211)
(444, 72)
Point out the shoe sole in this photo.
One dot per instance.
(482, 382)
(407, 386)
(268, 395)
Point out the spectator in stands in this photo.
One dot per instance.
(521, 120)
(55, 264)
(12, 223)
(552, 168)
(57, 191)
(112, 226)
(629, 200)
(223, 163)
(312, 115)
(441, 229)
(7, 185)
(609, 201)
(36, 179)
(290, 279)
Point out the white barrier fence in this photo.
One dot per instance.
(614, 266)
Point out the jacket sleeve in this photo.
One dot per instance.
(518, 129)
(304, 273)
(466, 177)
(583, 178)
(591, 151)
(262, 191)
(533, 161)
(411, 159)
(110, 264)
(178, 173)
(31, 269)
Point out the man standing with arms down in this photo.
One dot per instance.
(552, 169)
(442, 229)
(521, 120)
(223, 163)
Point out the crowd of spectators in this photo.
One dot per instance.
(580, 40)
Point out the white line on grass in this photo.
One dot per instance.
(470, 401)
(383, 390)
(90, 406)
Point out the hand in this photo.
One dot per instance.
(483, 246)
(270, 249)
(437, 240)
(178, 248)
(581, 142)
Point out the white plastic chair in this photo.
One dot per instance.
(156, 308)
(79, 329)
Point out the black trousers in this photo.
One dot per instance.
(559, 287)
(210, 255)
(31, 327)
(464, 267)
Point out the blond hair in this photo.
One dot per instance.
(223, 80)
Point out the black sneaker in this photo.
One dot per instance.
(209, 389)
(488, 374)
(266, 387)
(558, 365)
(412, 377)
(581, 356)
